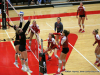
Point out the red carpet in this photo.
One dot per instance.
(53, 15)
(7, 59)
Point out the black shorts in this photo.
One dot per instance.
(65, 50)
(59, 32)
(32, 32)
(81, 16)
(16, 43)
(22, 48)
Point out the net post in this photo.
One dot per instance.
(4, 14)
(7, 13)
(41, 45)
(42, 61)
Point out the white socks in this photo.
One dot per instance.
(23, 65)
(27, 67)
(63, 67)
(16, 61)
(58, 69)
(97, 59)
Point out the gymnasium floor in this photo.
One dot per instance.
(84, 42)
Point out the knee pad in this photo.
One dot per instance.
(19, 54)
(98, 56)
(16, 53)
(26, 60)
(57, 41)
(64, 60)
(82, 24)
(60, 61)
(22, 58)
(79, 24)
(56, 56)
(29, 41)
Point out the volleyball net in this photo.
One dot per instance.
(36, 49)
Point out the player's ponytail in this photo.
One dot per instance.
(96, 31)
(66, 32)
(52, 35)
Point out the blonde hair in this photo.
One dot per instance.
(34, 21)
(17, 30)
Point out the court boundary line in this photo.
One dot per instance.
(78, 52)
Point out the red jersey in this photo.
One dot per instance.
(35, 28)
(97, 38)
(81, 10)
(52, 43)
(64, 42)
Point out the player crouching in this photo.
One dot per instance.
(51, 45)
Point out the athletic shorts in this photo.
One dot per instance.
(59, 32)
(54, 47)
(65, 50)
(16, 43)
(81, 16)
(22, 48)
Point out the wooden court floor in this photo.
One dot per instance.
(85, 41)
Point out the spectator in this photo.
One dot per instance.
(39, 2)
(35, 1)
(49, 1)
(29, 2)
(32, 2)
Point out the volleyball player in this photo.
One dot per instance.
(51, 45)
(65, 50)
(82, 15)
(59, 26)
(22, 47)
(97, 50)
(35, 27)
(16, 43)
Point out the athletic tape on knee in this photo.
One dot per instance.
(56, 56)
(79, 24)
(29, 41)
(98, 56)
(57, 41)
(22, 58)
(60, 61)
(26, 60)
(19, 54)
(82, 24)
(64, 60)
(16, 53)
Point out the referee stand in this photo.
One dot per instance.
(42, 61)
